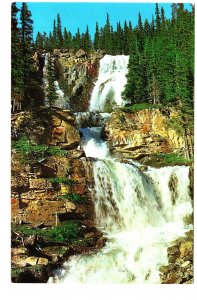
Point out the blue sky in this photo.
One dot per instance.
(74, 15)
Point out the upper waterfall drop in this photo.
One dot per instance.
(110, 83)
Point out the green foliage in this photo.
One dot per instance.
(160, 69)
(55, 150)
(140, 106)
(75, 198)
(51, 89)
(109, 102)
(176, 124)
(66, 232)
(172, 159)
(31, 153)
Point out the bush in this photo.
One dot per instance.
(66, 232)
(172, 159)
(31, 153)
(75, 198)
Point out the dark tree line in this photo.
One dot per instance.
(161, 64)
(25, 82)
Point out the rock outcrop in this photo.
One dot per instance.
(142, 133)
(75, 73)
(180, 258)
(47, 126)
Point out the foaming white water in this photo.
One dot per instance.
(140, 213)
(110, 83)
(92, 144)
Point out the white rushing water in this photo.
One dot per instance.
(139, 212)
(92, 144)
(110, 83)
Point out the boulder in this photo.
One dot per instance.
(186, 249)
(81, 53)
(31, 260)
(42, 261)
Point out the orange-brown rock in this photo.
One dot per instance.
(142, 133)
(50, 127)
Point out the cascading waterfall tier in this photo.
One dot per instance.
(92, 144)
(140, 216)
(110, 83)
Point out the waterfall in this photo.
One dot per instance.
(139, 212)
(110, 83)
(92, 144)
(62, 101)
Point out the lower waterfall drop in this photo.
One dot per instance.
(139, 212)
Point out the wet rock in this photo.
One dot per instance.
(18, 251)
(180, 258)
(81, 53)
(39, 184)
(42, 261)
(32, 260)
(186, 249)
(89, 235)
(101, 242)
(19, 260)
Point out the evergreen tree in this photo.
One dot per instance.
(54, 36)
(140, 34)
(16, 67)
(78, 41)
(59, 32)
(87, 40)
(51, 90)
(119, 37)
(107, 42)
(27, 51)
(158, 19)
(97, 38)
(39, 43)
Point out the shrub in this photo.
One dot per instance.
(172, 158)
(31, 153)
(75, 198)
(66, 232)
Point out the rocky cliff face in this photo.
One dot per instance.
(142, 133)
(75, 73)
(50, 127)
(47, 192)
